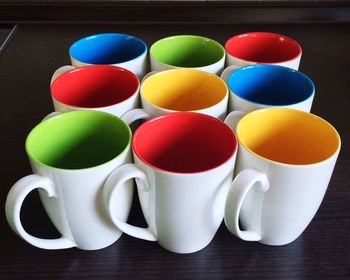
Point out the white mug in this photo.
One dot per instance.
(180, 90)
(183, 167)
(115, 49)
(72, 155)
(104, 88)
(284, 164)
(261, 86)
(187, 51)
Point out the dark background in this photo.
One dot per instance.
(40, 45)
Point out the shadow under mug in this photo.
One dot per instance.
(72, 155)
(183, 167)
(180, 90)
(262, 86)
(187, 51)
(284, 164)
(104, 88)
(115, 49)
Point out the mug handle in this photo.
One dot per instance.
(61, 71)
(241, 185)
(117, 178)
(134, 115)
(228, 71)
(13, 205)
(233, 118)
(51, 115)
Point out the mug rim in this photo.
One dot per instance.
(203, 38)
(277, 67)
(293, 165)
(266, 34)
(165, 72)
(64, 115)
(175, 115)
(101, 67)
(98, 35)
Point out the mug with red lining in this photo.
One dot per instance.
(261, 48)
(183, 166)
(104, 88)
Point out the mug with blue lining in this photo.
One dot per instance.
(261, 86)
(116, 49)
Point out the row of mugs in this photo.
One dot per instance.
(188, 51)
(118, 91)
(184, 162)
(184, 165)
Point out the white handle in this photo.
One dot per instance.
(228, 71)
(51, 115)
(60, 71)
(13, 205)
(118, 177)
(241, 185)
(134, 115)
(233, 118)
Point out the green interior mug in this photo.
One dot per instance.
(187, 51)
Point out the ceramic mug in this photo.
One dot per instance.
(104, 88)
(261, 86)
(115, 49)
(72, 155)
(187, 51)
(183, 167)
(261, 48)
(181, 90)
(284, 164)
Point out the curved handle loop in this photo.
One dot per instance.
(61, 71)
(118, 177)
(228, 71)
(51, 115)
(233, 118)
(241, 185)
(134, 115)
(13, 205)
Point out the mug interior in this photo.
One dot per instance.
(108, 48)
(184, 142)
(271, 85)
(288, 136)
(187, 51)
(263, 47)
(94, 86)
(78, 139)
(184, 90)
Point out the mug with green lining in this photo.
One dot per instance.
(72, 154)
(187, 51)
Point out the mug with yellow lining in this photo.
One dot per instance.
(181, 90)
(284, 164)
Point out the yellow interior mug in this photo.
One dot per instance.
(181, 90)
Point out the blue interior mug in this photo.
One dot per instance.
(116, 49)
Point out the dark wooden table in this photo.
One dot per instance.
(322, 252)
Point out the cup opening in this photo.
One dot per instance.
(288, 136)
(187, 51)
(108, 48)
(94, 86)
(271, 85)
(184, 90)
(184, 142)
(78, 140)
(263, 47)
